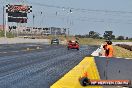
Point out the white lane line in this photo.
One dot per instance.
(9, 52)
(124, 58)
(20, 50)
(31, 49)
(3, 52)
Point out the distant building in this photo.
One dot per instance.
(37, 30)
(58, 31)
(48, 30)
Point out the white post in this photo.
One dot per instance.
(3, 18)
(6, 23)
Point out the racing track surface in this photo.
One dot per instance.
(37, 68)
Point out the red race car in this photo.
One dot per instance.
(73, 45)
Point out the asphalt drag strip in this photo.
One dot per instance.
(16, 49)
(39, 69)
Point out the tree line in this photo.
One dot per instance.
(108, 35)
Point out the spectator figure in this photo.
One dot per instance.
(109, 49)
(105, 53)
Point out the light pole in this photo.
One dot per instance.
(70, 22)
(4, 21)
(33, 24)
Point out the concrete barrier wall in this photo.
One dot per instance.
(22, 40)
(128, 43)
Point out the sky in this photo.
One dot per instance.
(87, 15)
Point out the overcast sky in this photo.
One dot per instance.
(99, 15)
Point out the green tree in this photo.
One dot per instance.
(109, 35)
(94, 35)
(120, 38)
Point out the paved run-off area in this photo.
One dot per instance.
(114, 69)
(37, 67)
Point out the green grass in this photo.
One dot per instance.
(121, 52)
(1, 33)
(90, 41)
(121, 40)
(9, 34)
(82, 41)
